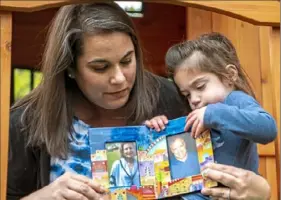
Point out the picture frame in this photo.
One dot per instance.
(135, 162)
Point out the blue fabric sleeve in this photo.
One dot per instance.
(242, 115)
(113, 174)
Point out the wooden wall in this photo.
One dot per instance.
(5, 72)
(258, 48)
(157, 34)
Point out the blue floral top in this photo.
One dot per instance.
(79, 156)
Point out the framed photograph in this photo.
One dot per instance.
(135, 162)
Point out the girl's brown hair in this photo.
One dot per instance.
(47, 110)
(213, 53)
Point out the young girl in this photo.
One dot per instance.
(208, 74)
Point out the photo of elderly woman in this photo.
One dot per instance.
(122, 164)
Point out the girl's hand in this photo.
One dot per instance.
(196, 120)
(240, 184)
(70, 187)
(158, 123)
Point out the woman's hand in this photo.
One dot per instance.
(70, 187)
(241, 184)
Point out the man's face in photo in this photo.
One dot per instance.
(178, 148)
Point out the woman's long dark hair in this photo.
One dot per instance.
(48, 114)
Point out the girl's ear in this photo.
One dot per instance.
(232, 72)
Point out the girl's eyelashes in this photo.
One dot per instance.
(201, 86)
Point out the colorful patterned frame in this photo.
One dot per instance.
(152, 187)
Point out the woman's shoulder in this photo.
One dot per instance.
(16, 117)
(166, 85)
(116, 163)
(16, 113)
(16, 133)
(170, 102)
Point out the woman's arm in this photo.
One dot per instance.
(22, 174)
(241, 184)
(22, 164)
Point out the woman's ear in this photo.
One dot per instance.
(232, 72)
(70, 73)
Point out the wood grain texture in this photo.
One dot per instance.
(256, 12)
(157, 33)
(201, 22)
(271, 177)
(275, 67)
(267, 85)
(5, 79)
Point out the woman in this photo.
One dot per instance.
(125, 172)
(93, 76)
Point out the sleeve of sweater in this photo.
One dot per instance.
(22, 165)
(242, 115)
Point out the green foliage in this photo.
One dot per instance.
(111, 157)
(37, 78)
(22, 82)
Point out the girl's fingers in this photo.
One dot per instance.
(200, 128)
(155, 125)
(194, 127)
(148, 124)
(191, 113)
(189, 122)
(189, 116)
(161, 123)
(164, 119)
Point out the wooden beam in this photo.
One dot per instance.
(275, 70)
(255, 12)
(31, 5)
(198, 22)
(267, 97)
(5, 78)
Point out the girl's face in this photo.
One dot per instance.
(129, 150)
(200, 88)
(106, 70)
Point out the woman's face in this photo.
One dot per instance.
(129, 150)
(106, 70)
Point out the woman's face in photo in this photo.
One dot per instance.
(129, 150)
(106, 70)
